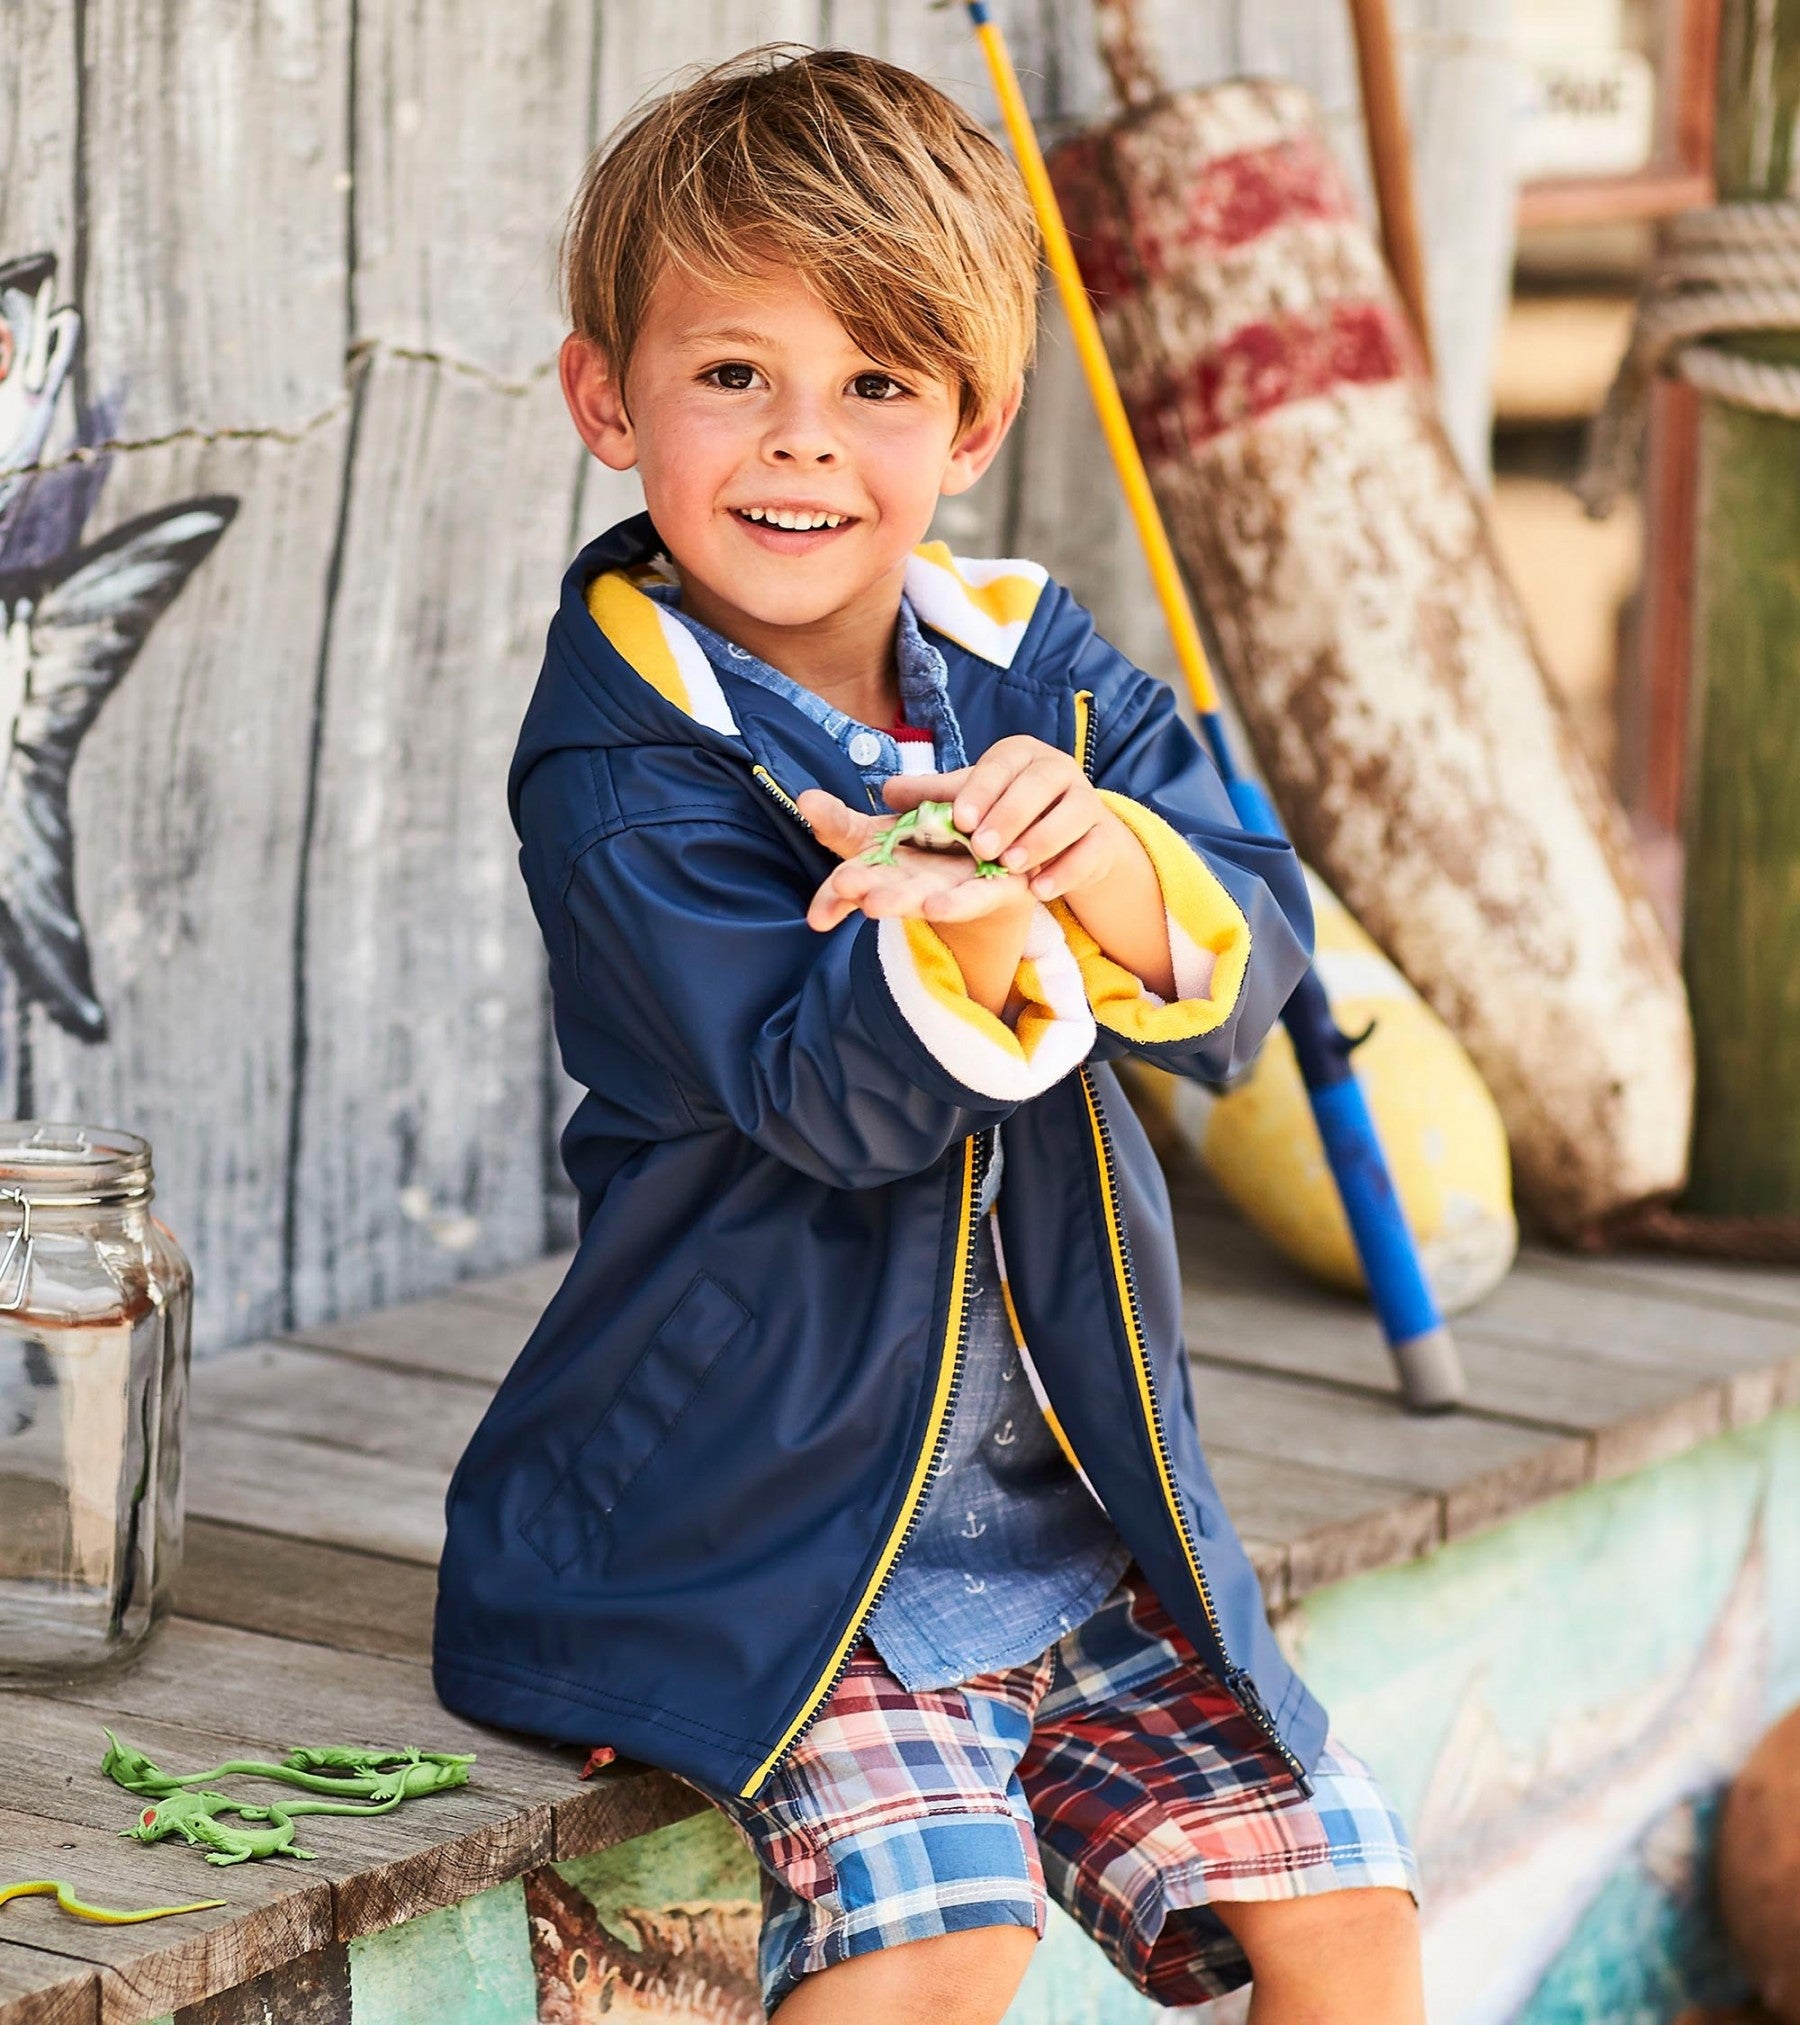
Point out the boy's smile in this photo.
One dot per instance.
(790, 474)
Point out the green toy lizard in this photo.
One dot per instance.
(65, 1897)
(353, 1771)
(364, 1780)
(929, 825)
(194, 1817)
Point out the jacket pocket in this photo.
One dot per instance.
(575, 1516)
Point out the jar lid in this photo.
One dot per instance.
(72, 1166)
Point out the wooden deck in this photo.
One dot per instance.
(317, 1474)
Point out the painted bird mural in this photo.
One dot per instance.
(72, 620)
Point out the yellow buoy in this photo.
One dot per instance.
(1441, 1130)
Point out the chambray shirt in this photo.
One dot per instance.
(1010, 1549)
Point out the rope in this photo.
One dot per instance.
(1732, 269)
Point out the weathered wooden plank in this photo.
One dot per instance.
(1330, 1526)
(420, 1144)
(1483, 1469)
(38, 88)
(279, 1388)
(1461, 81)
(529, 1286)
(1549, 1345)
(312, 1491)
(276, 1693)
(1068, 512)
(442, 1873)
(450, 1333)
(313, 1989)
(1575, 1314)
(265, 1918)
(1745, 1289)
(936, 42)
(186, 806)
(469, 129)
(619, 1803)
(41, 1989)
(634, 64)
(216, 153)
(1642, 1405)
(261, 1581)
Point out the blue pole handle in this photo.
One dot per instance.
(1430, 1372)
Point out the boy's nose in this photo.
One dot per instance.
(800, 436)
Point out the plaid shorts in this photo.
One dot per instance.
(1113, 1772)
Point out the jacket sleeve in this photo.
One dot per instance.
(853, 1053)
(1235, 902)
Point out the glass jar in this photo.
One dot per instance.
(96, 1307)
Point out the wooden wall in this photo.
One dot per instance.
(312, 247)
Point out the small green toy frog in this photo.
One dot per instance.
(929, 825)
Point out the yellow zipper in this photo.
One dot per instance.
(781, 794)
(1084, 730)
(949, 1358)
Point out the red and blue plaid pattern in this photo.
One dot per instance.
(1113, 1773)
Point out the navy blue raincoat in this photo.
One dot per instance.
(683, 1502)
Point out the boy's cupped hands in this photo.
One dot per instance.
(1023, 803)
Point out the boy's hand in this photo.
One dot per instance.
(1029, 806)
(934, 885)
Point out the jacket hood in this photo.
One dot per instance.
(621, 670)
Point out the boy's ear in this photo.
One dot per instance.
(978, 445)
(596, 402)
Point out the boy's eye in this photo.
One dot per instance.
(734, 376)
(877, 387)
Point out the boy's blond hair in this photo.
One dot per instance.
(887, 199)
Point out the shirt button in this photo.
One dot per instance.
(865, 748)
(739, 653)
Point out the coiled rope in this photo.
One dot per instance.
(1717, 273)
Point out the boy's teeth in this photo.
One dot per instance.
(800, 523)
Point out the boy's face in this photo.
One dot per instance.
(748, 399)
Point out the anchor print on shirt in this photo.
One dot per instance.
(72, 619)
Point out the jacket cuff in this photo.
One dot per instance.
(1054, 1028)
(1209, 942)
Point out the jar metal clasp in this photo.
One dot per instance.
(19, 1246)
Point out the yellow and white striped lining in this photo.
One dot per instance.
(1209, 942)
(984, 606)
(661, 649)
(1055, 1025)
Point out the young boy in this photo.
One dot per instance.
(859, 1491)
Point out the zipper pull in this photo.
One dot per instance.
(1241, 1683)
